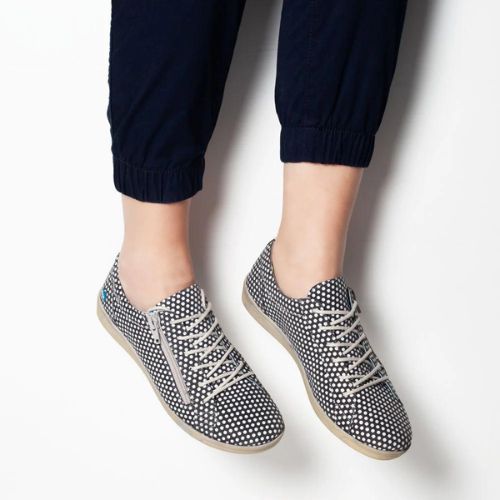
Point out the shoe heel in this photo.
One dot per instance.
(103, 317)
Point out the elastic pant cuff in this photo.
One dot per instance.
(160, 185)
(331, 146)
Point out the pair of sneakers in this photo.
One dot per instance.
(209, 390)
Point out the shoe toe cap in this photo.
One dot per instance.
(247, 416)
(381, 422)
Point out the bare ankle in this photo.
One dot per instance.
(299, 267)
(148, 278)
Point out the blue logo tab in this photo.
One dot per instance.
(104, 294)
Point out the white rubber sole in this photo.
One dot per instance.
(118, 336)
(276, 332)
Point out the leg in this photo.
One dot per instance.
(317, 204)
(168, 65)
(335, 66)
(169, 60)
(155, 259)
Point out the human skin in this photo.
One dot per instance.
(317, 205)
(155, 258)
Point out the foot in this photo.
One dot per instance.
(347, 385)
(202, 381)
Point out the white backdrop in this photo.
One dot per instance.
(78, 419)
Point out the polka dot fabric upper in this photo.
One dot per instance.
(243, 414)
(374, 416)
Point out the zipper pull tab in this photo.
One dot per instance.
(154, 326)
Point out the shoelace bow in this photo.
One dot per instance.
(360, 381)
(229, 377)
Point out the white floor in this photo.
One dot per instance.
(78, 419)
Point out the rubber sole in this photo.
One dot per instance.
(123, 342)
(276, 332)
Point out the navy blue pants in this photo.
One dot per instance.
(168, 64)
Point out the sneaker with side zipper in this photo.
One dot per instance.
(347, 384)
(201, 380)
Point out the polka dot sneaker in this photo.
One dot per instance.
(201, 380)
(347, 385)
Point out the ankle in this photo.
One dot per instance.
(148, 277)
(298, 267)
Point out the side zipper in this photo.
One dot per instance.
(159, 338)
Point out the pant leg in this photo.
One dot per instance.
(168, 65)
(336, 60)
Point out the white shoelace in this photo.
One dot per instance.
(360, 381)
(229, 377)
